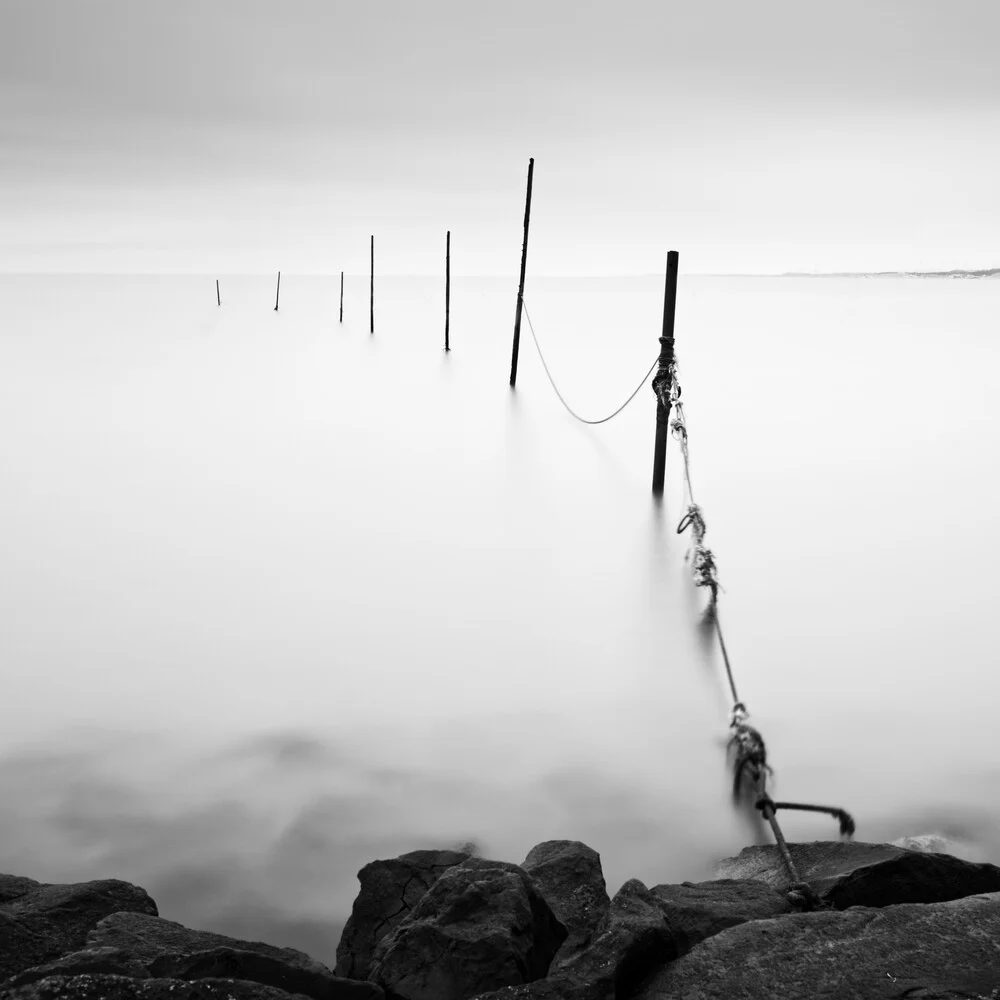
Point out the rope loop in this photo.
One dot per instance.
(569, 409)
(695, 520)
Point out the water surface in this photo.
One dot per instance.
(282, 596)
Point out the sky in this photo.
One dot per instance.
(239, 136)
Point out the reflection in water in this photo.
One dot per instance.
(318, 597)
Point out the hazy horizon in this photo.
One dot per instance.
(240, 136)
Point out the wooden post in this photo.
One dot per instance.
(341, 296)
(520, 287)
(447, 288)
(373, 287)
(218, 297)
(277, 292)
(661, 381)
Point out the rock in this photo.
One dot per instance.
(40, 921)
(857, 874)
(929, 843)
(696, 911)
(137, 944)
(541, 989)
(109, 987)
(570, 877)
(481, 926)
(110, 961)
(633, 940)
(389, 891)
(907, 950)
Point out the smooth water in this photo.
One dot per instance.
(281, 597)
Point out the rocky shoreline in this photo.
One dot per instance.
(447, 925)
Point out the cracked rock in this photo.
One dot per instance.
(389, 891)
(481, 926)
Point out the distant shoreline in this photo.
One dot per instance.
(988, 272)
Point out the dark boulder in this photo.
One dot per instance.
(111, 987)
(908, 950)
(569, 876)
(481, 926)
(858, 874)
(542, 989)
(389, 891)
(633, 939)
(104, 960)
(697, 910)
(139, 946)
(39, 921)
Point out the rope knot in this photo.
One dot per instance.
(749, 760)
(704, 569)
(846, 821)
(664, 382)
(803, 896)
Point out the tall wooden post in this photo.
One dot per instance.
(520, 287)
(277, 292)
(447, 289)
(218, 297)
(373, 286)
(661, 381)
(341, 296)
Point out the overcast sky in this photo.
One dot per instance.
(241, 135)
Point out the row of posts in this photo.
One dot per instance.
(665, 361)
(447, 292)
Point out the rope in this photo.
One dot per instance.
(569, 408)
(749, 751)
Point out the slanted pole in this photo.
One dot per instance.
(277, 292)
(218, 297)
(341, 296)
(661, 381)
(520, 287)
(447, 288)
(373, 286)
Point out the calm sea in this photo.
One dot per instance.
(281, 597)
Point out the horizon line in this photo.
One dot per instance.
(415, 274)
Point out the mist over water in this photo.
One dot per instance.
(282, 597)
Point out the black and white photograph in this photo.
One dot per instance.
(498, 501)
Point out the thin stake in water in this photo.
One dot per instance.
(447, 288)
(218, 297)
(520, 287)
(373, 287)
(277, 292)
(341, 296)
